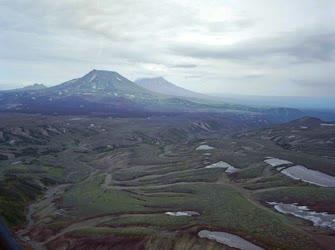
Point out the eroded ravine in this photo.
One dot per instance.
(33, 216)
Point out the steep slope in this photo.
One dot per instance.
(102, 83)
(162, 86)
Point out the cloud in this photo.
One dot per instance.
(189, 65)
(230, 26)
(297, 47)
(229, 46)
(322, 83)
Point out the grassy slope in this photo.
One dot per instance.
(221, 207)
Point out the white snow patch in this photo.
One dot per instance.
(93, 77)
(275, 162)
(182, 213)
(328, 124)
(228, 239)
(221, 164)
(16, 162)
(77, 119)
(318, 219)
(302, 173)
(204, 147)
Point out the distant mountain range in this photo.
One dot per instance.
(108, 92)
(162, 86)
(322, 107)
(99, 91)
(36, 86)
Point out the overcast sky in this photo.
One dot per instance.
(262, 47)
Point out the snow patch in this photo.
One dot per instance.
(328, 124)
(204, 147)
(318, 219)
(221, 164)
(182, 213)
(315, 177)
(275, 162)
(93, 78)
(228, 239)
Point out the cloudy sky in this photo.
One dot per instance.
(262, 47)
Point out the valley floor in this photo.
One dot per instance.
(104, 183)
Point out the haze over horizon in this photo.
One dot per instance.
(273, 48)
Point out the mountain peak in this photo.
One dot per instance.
(102, 76)
(101, 72)
(156, 79)
(101, 83)
(35, 86)
(162, 86)
(160, 78)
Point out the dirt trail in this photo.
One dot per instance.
(153, 186)
(80, 225)
(92, 222)
(270, 189)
